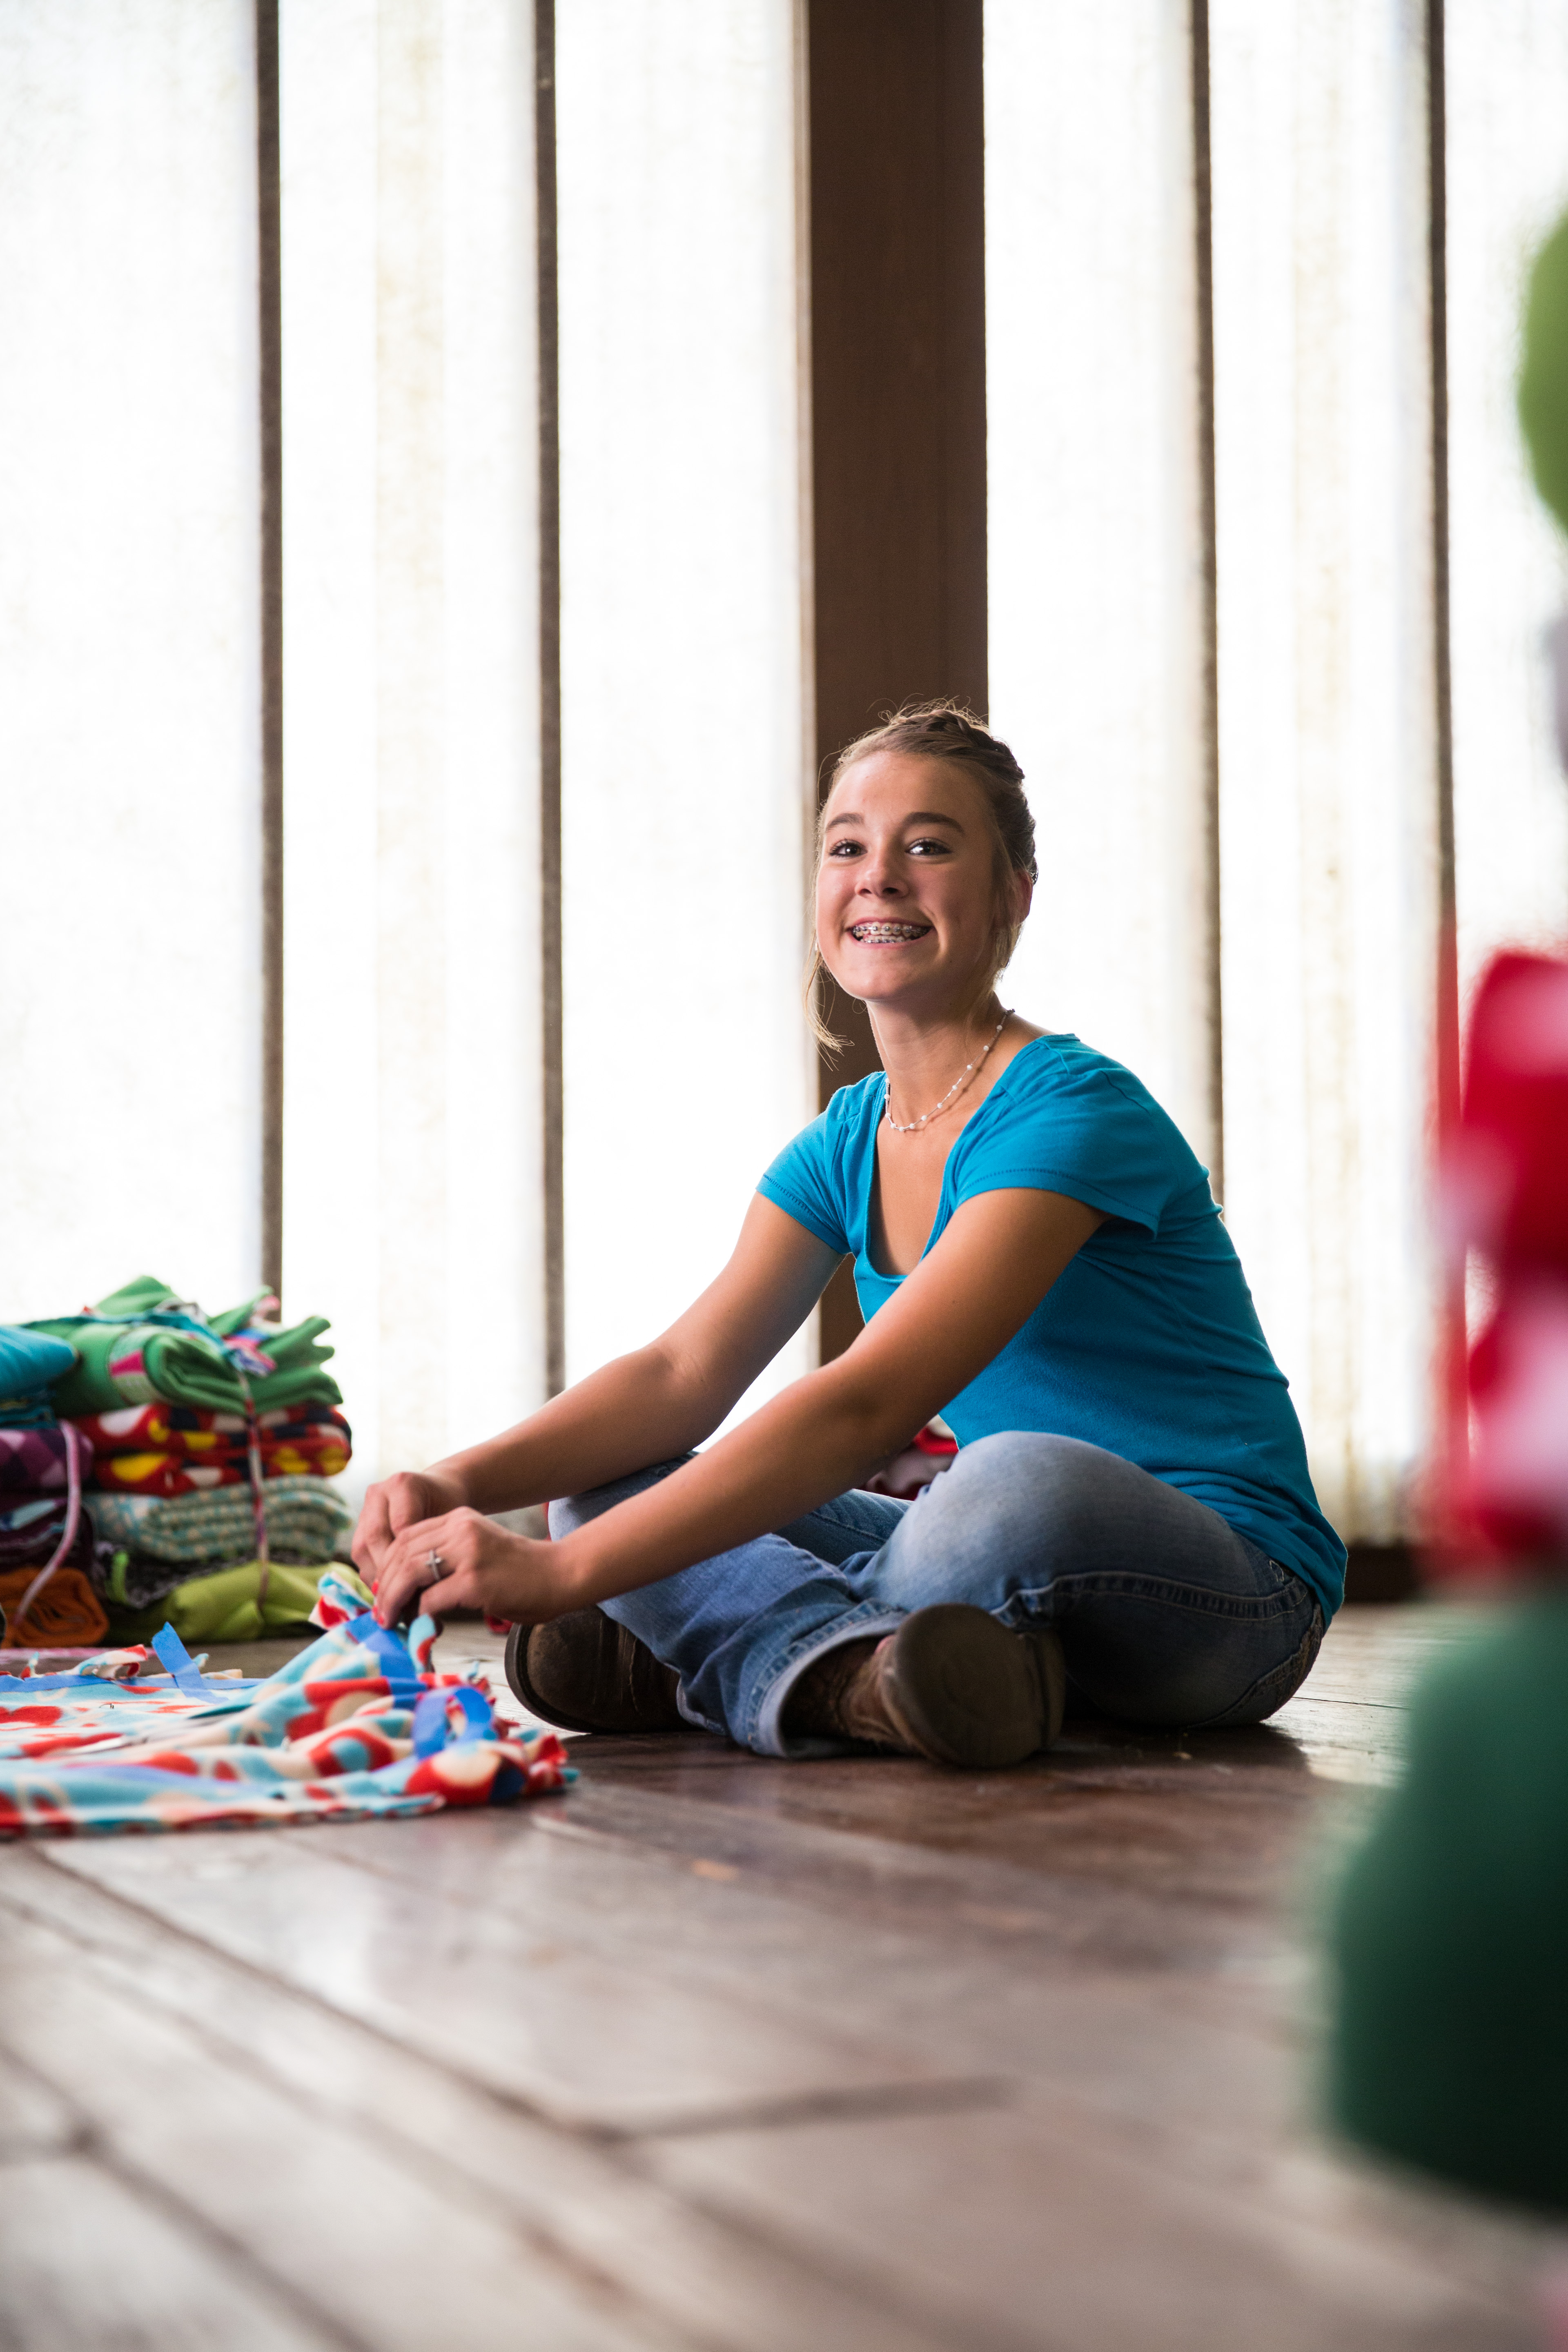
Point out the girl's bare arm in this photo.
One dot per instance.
(648, 1406)
(963, 1302)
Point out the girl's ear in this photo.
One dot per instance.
(1013, 900)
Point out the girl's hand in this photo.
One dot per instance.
(397, 1503)
(463, 1561)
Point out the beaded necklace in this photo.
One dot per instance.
(964, 1079)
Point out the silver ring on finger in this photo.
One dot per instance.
(434, 1563)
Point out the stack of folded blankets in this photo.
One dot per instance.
(50, 1576)
(212, 1442)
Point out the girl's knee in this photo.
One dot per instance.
(1014, 1511)
(981, 1532)
(1051, 1482)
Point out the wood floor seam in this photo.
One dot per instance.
(601, 2285)
(608, 2147)
(956, 2332)
(860, 2104)
(232, 2248)
(871, 2105)
(150, 2191)
(546, 2120)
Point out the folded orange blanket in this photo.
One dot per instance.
(66, 1613)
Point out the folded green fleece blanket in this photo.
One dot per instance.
(125, 1357)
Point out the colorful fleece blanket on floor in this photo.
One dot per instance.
(356, 1725)
(306, 1519)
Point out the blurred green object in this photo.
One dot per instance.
(1448, 2045)
(1543, 371)
(1449, 2034)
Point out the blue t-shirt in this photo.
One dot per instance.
(1148, 1343)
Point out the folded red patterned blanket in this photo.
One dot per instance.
(176, 1473)
(197, 1431)
(169, 1449)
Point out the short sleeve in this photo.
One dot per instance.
(800, 1182)
(1086, 1128)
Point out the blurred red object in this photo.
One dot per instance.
(1505, 1193)
(1506, 1186)
(1519, 1446)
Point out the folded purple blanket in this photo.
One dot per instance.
(34, 1461)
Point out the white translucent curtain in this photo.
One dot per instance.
(684, 763)
(1329, 786)
(1327, 801)
(130, 736)
(1508, 183)
(129, 685)
(1096, 556)
(412, 1116)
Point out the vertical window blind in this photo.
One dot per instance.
(1267, 591)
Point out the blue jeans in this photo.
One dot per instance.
(1166, 1614)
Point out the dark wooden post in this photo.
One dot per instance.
(897, 325)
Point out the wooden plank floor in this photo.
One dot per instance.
(719, 2052)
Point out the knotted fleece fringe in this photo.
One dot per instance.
(357, 1726)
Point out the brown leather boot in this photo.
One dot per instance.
(951, 1685)
(584, 1672)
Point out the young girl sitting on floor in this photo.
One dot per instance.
(1039, 1259)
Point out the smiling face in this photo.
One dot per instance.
(907, 902)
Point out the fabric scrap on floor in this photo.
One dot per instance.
(356, 1725)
